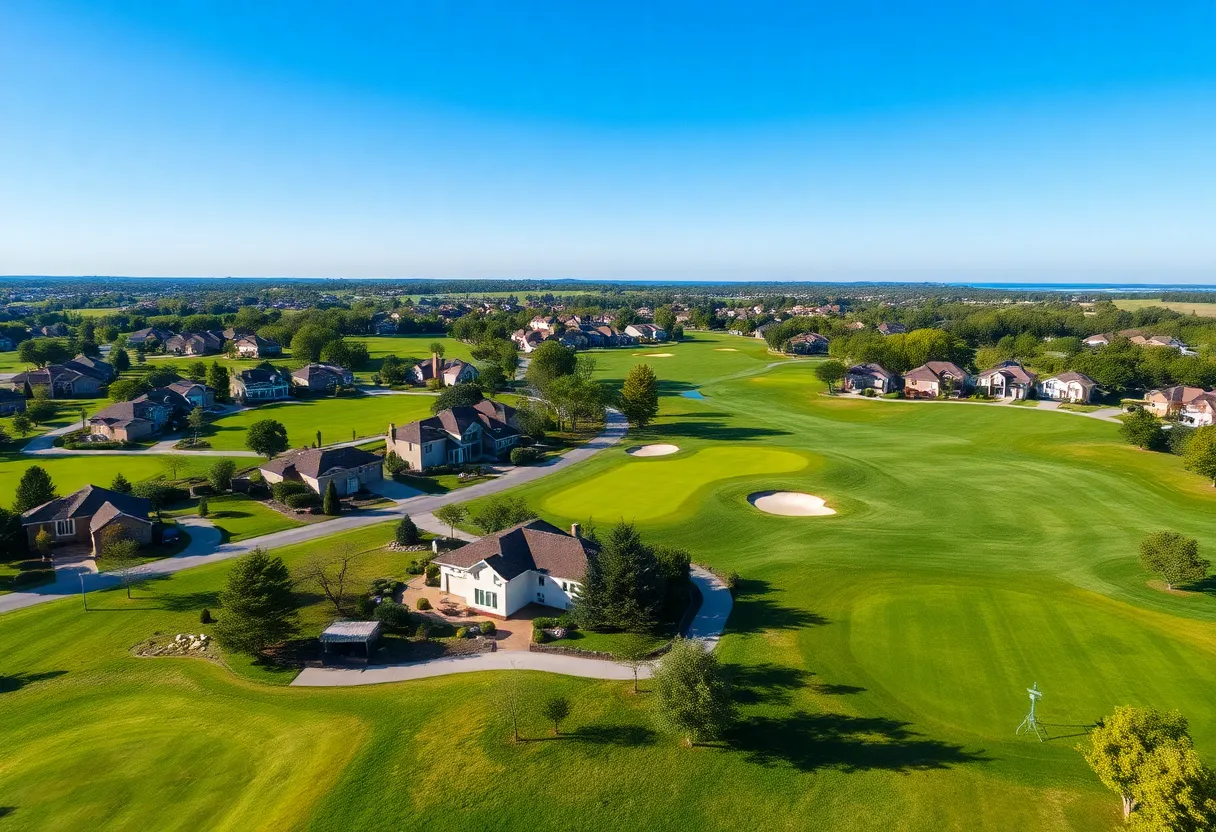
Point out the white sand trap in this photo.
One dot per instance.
(725, 349)
(654, 450)
(790, 503)
(659, 355)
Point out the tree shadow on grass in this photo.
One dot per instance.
(718, 431)
(756, 610)
(774, 684)
(8, 684)
(186, 601)
(624, 736)
(1206, 586)
(808, 742)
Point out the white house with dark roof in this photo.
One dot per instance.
(531, 563)
(450, 372)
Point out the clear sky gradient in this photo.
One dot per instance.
(1034, 140)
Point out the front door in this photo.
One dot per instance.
(352, 486)
(540, 597)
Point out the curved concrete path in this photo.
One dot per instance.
(706, 626)
(414, 504)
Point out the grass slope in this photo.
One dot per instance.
(881, 654)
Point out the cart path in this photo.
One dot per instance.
(706, 627)
(412, 504)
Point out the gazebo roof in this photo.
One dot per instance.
(350, 631)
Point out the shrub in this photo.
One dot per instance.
(287, 488)
(432, 574)
(416, 567)
(204, 617)
(424, 630)
(894, 394)
(305, 500)
(424, 604)
(1177, 438)
(331, 505)
(407, 532)
(488, 628)
(524, 456)
(543, 623)
(462, 632)
(203, 508)
(394, 616)
(733, 579)
(365, 607)
(869, 393)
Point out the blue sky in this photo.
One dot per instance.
(887, 140)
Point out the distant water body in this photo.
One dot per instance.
(1148, 288)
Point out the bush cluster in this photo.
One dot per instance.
(288, 488)
(304, 500)
(394, 616)
(524, 456)
(424, 604)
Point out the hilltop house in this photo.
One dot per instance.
(195, 343)
(930, 380)
(1069, 386)
(1199, 412)
(254, 346)
(449, 373)
(527, 339)
(459, 435)
(322, 378)
(1007, 380)
(82, 517)
(870, 376)
(1102, 339)
(58, 330)
(531, 563)
(260, 384)
(349, 469)
(886, 328)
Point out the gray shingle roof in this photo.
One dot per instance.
(87, 502)
(532, 546)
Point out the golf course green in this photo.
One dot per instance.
(880, 655)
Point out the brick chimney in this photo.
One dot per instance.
(435, 366)
(576, 530)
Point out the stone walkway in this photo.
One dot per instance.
(706, 626)
(419, 504)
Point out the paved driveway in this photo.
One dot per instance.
(614, 430)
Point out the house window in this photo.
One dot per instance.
(485, 599)
(565, 587)
(540, 580)
(65, 528)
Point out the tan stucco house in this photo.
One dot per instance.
(350, 469)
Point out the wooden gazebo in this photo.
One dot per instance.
(349, 641)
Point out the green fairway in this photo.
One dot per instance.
(240, 517)
(339, 420)
(881, 655)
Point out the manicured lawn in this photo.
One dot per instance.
(240, 517)
(881, 655)
(1185, 307)
(339, 420)
(606, 642)
(23, 574)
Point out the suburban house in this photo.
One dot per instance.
(260, 384)
(82, 517)
(232, 333)
(196, 343)
(1007, 380)
(449, 373)
(646, 332)
(59, 330)
(1159, 341)
(131, 421)
(1102, 339)
(253, 346)
(59, 380)
(1199, 412)
(349, 469)
(1069, 386)
(605, 335)
(101, 370)
(891, 328)
(543, 323)
(575, 339)
(870, 377)
(929, 380)
(527, 339)
(807, 343)
(484, 431)
(11, 402)
(148, 336)
(1170, 401)
(194, 393)
(322, 378)
(531, 563)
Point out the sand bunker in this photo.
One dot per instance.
(659, 354)
(654, 450)
(725, 349)
(790, 503)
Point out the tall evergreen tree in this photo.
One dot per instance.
(407, 532)
(330, 504)
(120, 484)
(260, 608)
(34, 489)
(623, 588)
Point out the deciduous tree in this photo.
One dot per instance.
(692, 697)
(267, 437)
(450, 515)
(1200, 453)
(555, 709)
(1174, 557)
(1142, 429)
(640, 395)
